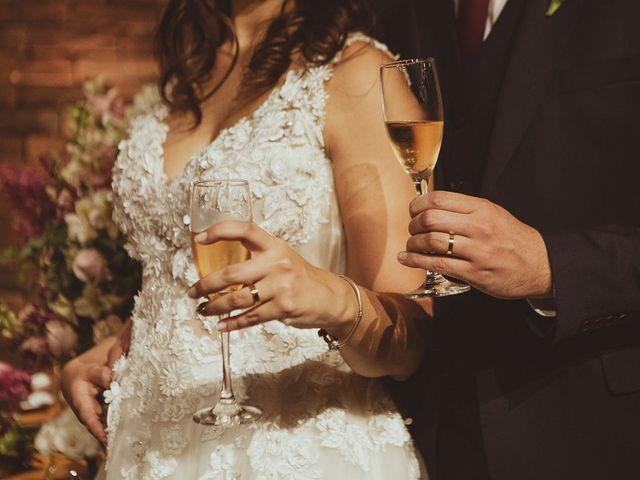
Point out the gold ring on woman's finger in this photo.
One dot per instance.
(254, 294)
(452, 241)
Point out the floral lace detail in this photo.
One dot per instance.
(222, 464)
(278, 454)
(313, 403)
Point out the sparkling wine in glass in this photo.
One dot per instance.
(413, 114)
(213, 202)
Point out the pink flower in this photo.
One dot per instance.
(15, 386)
(90, 266)
(64, 202)
(35, 345)
(61, 338)
(34, 317)
(105, 104)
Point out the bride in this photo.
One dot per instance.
(285, 94)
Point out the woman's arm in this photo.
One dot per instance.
(388, 341)
(373, 190)
(374, 195)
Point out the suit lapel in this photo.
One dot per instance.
(538, 48)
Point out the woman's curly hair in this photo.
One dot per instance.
(191, 31)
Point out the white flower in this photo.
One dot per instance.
(73, 171)
(92, 213)
(174, 379)
(173, 439)
(65, 434)
(40, 381)
(284, 454)
(159, 467)
(346, 436)
(147, 98)
(174, 409)
(221, 463)
(79, 228)
(112, 394)
(119, 368)
(388, 429)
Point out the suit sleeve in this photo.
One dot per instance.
(596, 275)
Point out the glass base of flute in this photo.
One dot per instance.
(435, 284)
(227, 412)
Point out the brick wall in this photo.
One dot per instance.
(47, 48)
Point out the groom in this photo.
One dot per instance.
(535, 374)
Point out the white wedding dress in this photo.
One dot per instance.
(321, 421)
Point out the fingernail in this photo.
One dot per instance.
(402, 256)
(221, 326)
(201, 237)
(201, 307)
(193, 293)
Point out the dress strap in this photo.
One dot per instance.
(356, 37)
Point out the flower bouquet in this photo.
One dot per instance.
(71, 261)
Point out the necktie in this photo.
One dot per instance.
(471, 23)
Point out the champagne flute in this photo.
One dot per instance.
(413, 114)
(213, 202)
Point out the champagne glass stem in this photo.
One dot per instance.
(226, 394)
(417, 183)
(431, 278)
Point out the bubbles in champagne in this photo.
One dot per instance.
(416, 145)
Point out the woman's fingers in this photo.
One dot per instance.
(251, 236)
(237, 300)
(89, 409)
(99, 375)
(265, 312)
(236, 274)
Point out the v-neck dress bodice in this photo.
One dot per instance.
(320, 419)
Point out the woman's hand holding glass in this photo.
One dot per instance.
(287, 287)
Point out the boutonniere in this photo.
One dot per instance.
(553, 7)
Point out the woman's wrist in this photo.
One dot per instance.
(347, 308)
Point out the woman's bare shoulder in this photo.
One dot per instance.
(357, 70)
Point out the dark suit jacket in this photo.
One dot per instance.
(561, 400)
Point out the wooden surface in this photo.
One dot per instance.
(56, 467)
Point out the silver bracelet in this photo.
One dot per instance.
(334, 343)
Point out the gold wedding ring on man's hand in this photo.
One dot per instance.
(452, 241)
